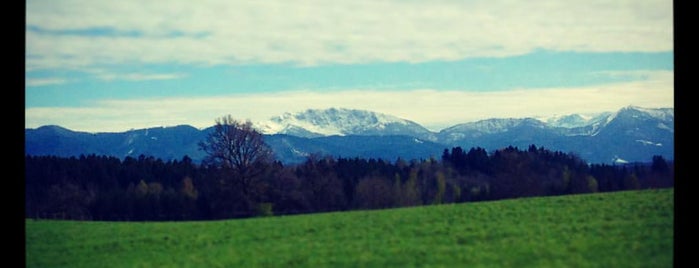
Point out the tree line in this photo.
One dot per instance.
(240, 179)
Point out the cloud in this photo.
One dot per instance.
(637, 74)
(435, 109)
(69, 33)
(138, 76)
(38, 82)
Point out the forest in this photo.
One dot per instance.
(103, 188)
(240, 178)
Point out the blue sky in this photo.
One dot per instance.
(112, 66)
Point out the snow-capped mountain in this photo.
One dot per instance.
(635, 131)
(572, 121)
(664, 117)
(342, 122)
(630, 134)
(486, 127)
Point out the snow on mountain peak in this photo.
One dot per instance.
(333, 121)
(340, 121)
(576, 120)
(664, 114)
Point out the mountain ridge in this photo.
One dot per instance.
(313, 123)
(629, 134)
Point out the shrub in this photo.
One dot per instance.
(265, 210)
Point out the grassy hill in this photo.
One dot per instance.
(622, 229)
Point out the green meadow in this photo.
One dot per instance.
(621, 229)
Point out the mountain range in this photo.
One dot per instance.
(631, 134)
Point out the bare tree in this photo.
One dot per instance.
(238, 147)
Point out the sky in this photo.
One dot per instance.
(111, 66)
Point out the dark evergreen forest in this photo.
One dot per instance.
(105, 188)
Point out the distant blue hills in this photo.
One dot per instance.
(632, 134)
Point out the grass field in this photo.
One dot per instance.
(622, 229)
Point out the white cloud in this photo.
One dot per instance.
(139, 76)
(318, 32)
(38, 82)
(638, 74)
(432, 108)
